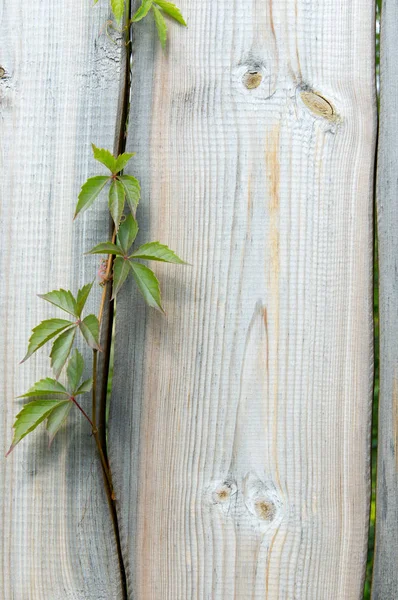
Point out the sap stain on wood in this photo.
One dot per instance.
(273, 184)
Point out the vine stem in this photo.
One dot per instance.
(94, 430)
(100, 437)
(104, 462)
(107, 279)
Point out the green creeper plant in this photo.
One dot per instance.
(50, 400)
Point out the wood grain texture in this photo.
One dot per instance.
(385, 575)
(59, 92)
(240, 422)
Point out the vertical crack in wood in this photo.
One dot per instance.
(108, 316)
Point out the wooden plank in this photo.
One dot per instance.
(59, 92)
(240, 422)
(385, 575)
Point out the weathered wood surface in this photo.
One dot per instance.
(239, 431)
(59, 92)
(385, 575)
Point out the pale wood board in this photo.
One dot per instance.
(385, 575)
(240, 422)
(60, 92)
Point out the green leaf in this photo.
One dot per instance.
(160, 26)
(63, 299)
(148, 285)
(74, 370)
(118, 9)
(56, 419)
(122, 160)
(121, 269)
(84, 387)
(117, 197)
(61, 350)
(127, 233)
(157, 251)
(48, 387)
(104, 157)
(133, 190)
(89, 192)
(30, 417)
(43, 333)
(172, 10)
(142, 11)
(90, 330)
(107, 248)
(82, 296)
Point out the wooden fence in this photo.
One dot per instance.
(239, 429)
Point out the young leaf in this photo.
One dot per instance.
(89, 192)
(107, 248)
(30, 417)
(56, 419)
(142, 11)
(133, 190)
(61, 350)
(157, 251)
(82, 296)
(63, 299)
(48, 388)
(116, 201)
(172, 10)
(90, 330)
(43, 333)
(148, 285)
(127, 233)
(74, 370)
(160, 26)
(122, 161)
(118, 9)
(84, 387)
(121, 269)
(104, 157)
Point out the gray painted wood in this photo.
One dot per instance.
(240, 422)
(385, 576)
(59, 92)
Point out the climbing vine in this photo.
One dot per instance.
(51, 401)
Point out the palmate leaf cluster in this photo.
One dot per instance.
(121, 187)
(63, 330)
(50, 400)
(126, 262)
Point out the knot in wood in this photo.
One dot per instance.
(252, 79)
(265, 509)
(262, 500)
(2, 72)
(223, 492)
(319, 105)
